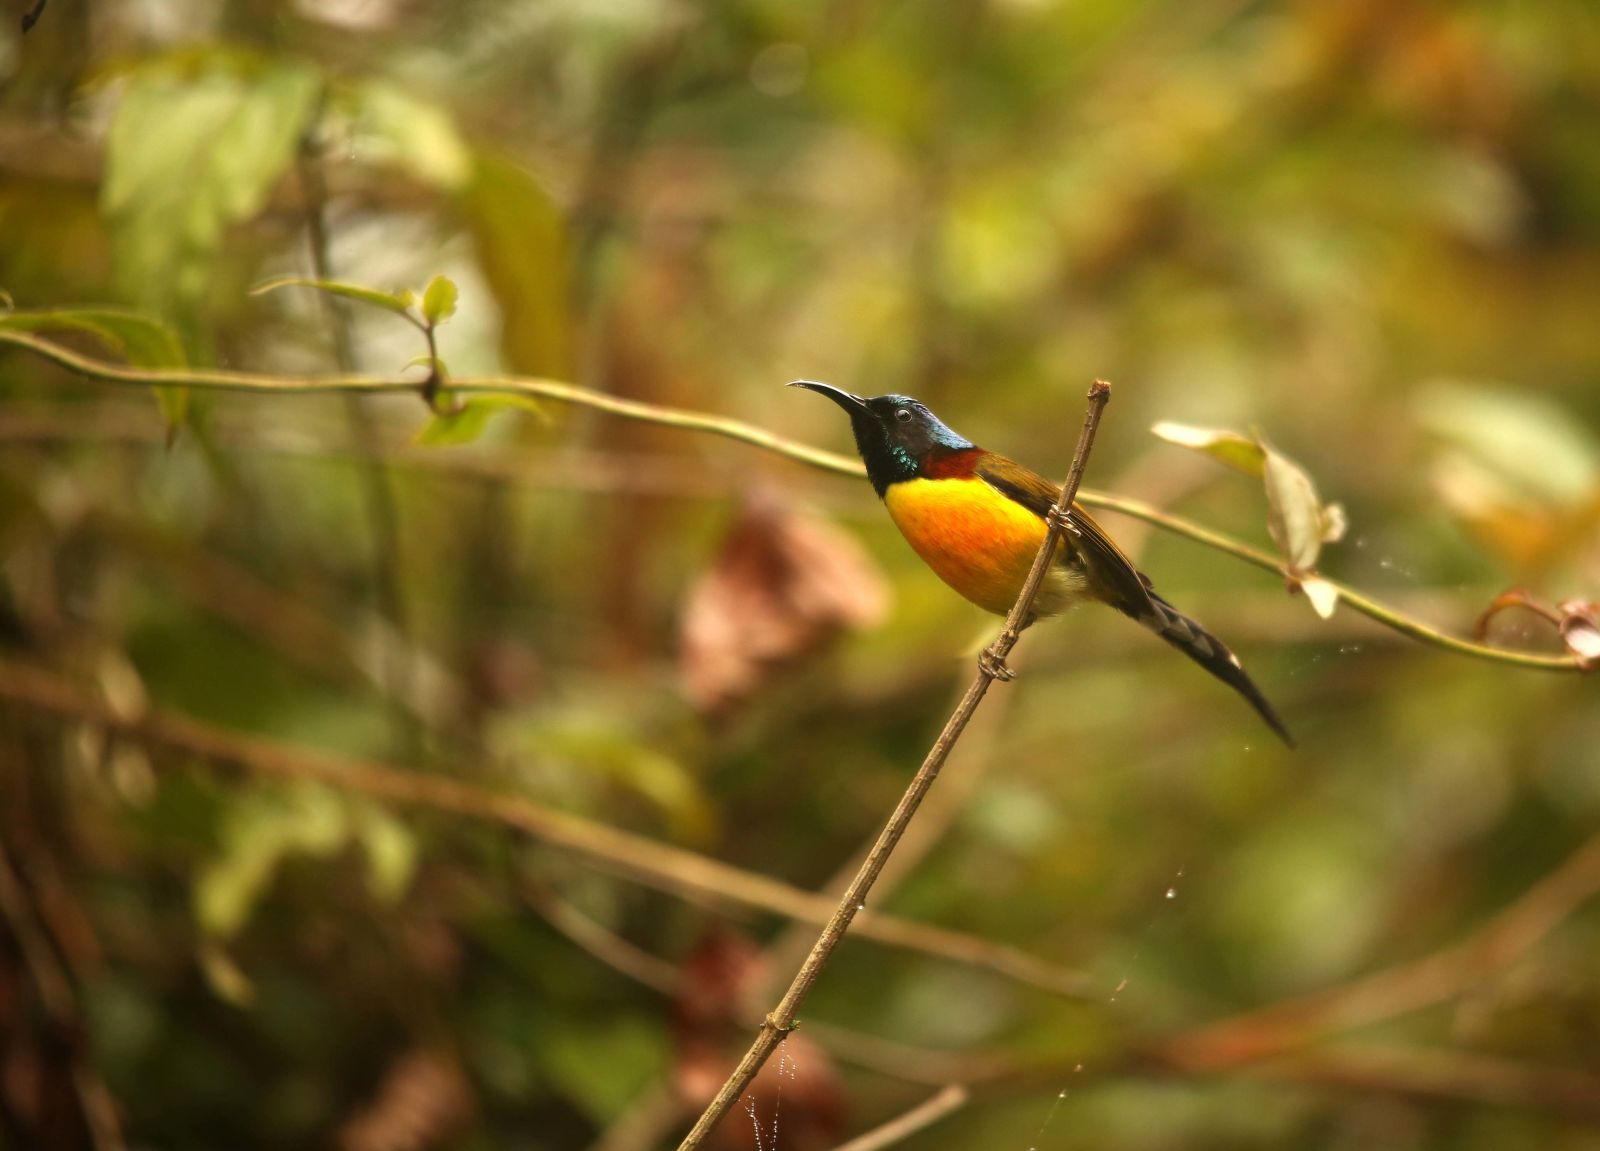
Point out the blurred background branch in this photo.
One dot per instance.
(666, 868)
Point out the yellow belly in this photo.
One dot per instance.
(979, 542)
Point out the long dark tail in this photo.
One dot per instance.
(1210, 653)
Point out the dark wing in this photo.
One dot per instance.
(1115, 579)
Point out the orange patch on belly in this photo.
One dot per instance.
(978, 541)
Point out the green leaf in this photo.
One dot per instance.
(1293, 511)
(391, 851)
(399, 302)
(1299, 523)
(262, 829)
(225, 977)
(604, 753)
(1240, 452)
(434, 364)
(1520, 441)
(391, 126)
(143, 340)
(520, 237)
(461, 426)
(188, 154)
(467, 422)
(602, 1064)
(439, 300)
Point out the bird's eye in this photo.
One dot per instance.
(903, 415)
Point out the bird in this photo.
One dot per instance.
(979, 519)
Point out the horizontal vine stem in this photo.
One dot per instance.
(223, 379)
(560, 392)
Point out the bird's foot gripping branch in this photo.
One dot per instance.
(994, 666)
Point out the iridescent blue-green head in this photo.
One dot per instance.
(896, 435)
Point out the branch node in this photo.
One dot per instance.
(437, 396)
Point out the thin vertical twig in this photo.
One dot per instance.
(376, 484)
(991, 666)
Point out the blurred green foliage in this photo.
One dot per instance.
(1366, 232)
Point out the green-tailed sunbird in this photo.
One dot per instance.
(978, 520)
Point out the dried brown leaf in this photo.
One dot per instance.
(1576, 621)
(798, 1090)
(422, 1099)
(783, 585)
(723, 968)
(1515, 597)
(1580, 631)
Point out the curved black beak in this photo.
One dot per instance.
(844, 399)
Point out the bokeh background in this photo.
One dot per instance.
(1368, 231)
